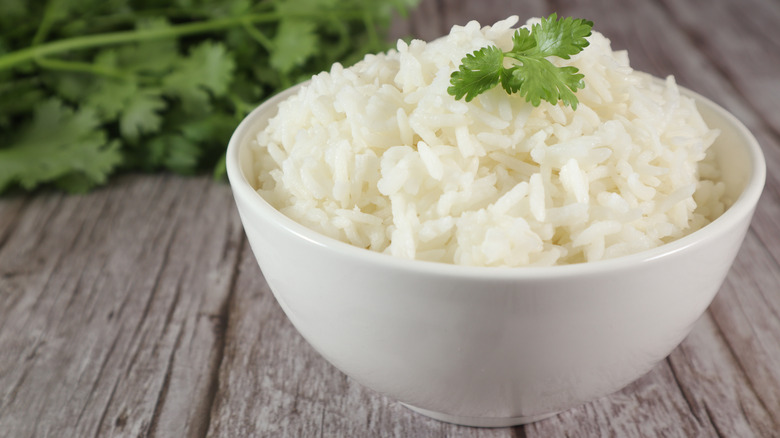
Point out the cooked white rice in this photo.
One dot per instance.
(380, 156)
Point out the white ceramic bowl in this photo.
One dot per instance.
(491, 346)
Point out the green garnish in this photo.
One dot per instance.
(531, 75)
(92, 87)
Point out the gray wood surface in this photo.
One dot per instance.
(138, 309)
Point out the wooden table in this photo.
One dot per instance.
(138, 309)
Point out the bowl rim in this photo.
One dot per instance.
(743, 206)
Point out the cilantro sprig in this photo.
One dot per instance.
(92, 87)
(531, 74)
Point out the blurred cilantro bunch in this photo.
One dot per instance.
(90, 87)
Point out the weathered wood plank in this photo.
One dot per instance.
(748, 315)
(651, 406)
(138, 310)
(9, 215)
(117, 303)
(720, 30)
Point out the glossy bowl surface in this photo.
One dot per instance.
(496, 346)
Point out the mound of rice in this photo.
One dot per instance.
(380, 156)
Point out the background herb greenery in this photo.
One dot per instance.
(92, 87)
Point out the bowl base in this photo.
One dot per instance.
(480, 421)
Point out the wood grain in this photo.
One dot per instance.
(138, 310)
(114, 305)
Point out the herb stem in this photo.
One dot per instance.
(46, 23)
(258, 36)
(90, 41)
(372, 35)
(79, 67)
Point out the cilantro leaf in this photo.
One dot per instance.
(522, 42)
(141, 115)
(539, 79)
(532, 75)
(479, 72)
(138, 110)
(208, 68)
(59, 144)
(561, 37)
(177, 153)
(150, 57)
(107, 97)
(294, 43)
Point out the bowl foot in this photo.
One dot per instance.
(480, 421)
